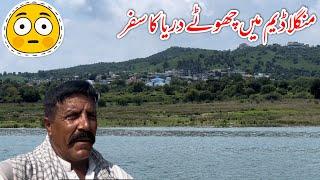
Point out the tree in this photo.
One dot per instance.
(101, 102)
(29, 94)
(315, 88)
(255, 85)
(283, 84)
(102, 88)
(192, 95)
(137, 87)
(119, 83)
(165, 66)
(168, 90)
(12, 94)
(268, 88)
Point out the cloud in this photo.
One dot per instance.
(76, 4)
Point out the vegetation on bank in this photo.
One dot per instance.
(289, 112)
(121, 93)
(289, 97)
(225, 102)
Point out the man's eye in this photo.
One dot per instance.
(72, 117)
(92, 116)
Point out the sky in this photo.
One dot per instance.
(91, 28)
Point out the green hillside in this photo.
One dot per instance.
(282, 62)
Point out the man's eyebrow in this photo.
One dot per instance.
(43, 13)
(72, 110)
(22, 13)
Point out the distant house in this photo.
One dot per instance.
(295, 44)
(75, 77)
(157, 81)
(168, 80)
(105, 81)
(261, 75)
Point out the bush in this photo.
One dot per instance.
(138, 100)
(315, 88)
(272, 96)
(192, 95)
(302, 95)
(102, 103)
(268, 89)
(249, 91)
(282, 91)
(29, 94)
(102, 88)
(255, 85)
(122, 102)
(205, 95)
(168, 90)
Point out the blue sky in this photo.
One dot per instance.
(91, 27)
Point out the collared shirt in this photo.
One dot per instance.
(72, 174)
(6, 170)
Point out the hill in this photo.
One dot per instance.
(282, 62)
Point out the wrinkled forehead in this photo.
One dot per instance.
(77, 101)
(33, 12)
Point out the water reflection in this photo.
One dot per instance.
(196, 153)
(294, 132)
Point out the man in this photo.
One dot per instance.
(67, 152)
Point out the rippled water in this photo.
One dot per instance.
(201, 153)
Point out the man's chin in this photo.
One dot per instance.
(83, 144)
(82, 149)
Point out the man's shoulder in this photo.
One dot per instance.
(6, 171)
(26, 157)
(99, 159)
(114, 170)
(119, 173)
(21, 160)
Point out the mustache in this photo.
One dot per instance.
(82, 136)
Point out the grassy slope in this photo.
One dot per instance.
(298, 112)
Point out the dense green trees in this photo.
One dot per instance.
(226, 88)
(12, 91)
(137, 87)
(29, 94)
(168, 90)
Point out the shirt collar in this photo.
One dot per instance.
(67, 166)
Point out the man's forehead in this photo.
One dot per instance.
(76, 101)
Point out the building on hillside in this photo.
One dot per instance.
(157, 81)
(295, 44)
(261, 75)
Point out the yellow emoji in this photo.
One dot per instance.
(33, 29)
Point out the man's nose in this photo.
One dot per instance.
(84, 122)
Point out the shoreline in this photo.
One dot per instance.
(285, 132)
(172, 127)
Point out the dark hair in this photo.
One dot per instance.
(59, 93)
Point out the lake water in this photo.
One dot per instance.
(197, 153)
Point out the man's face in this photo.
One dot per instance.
(70, 128)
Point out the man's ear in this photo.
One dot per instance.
(48, 125)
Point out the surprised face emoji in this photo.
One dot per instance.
(33, 29)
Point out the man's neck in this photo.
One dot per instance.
(81, 168)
